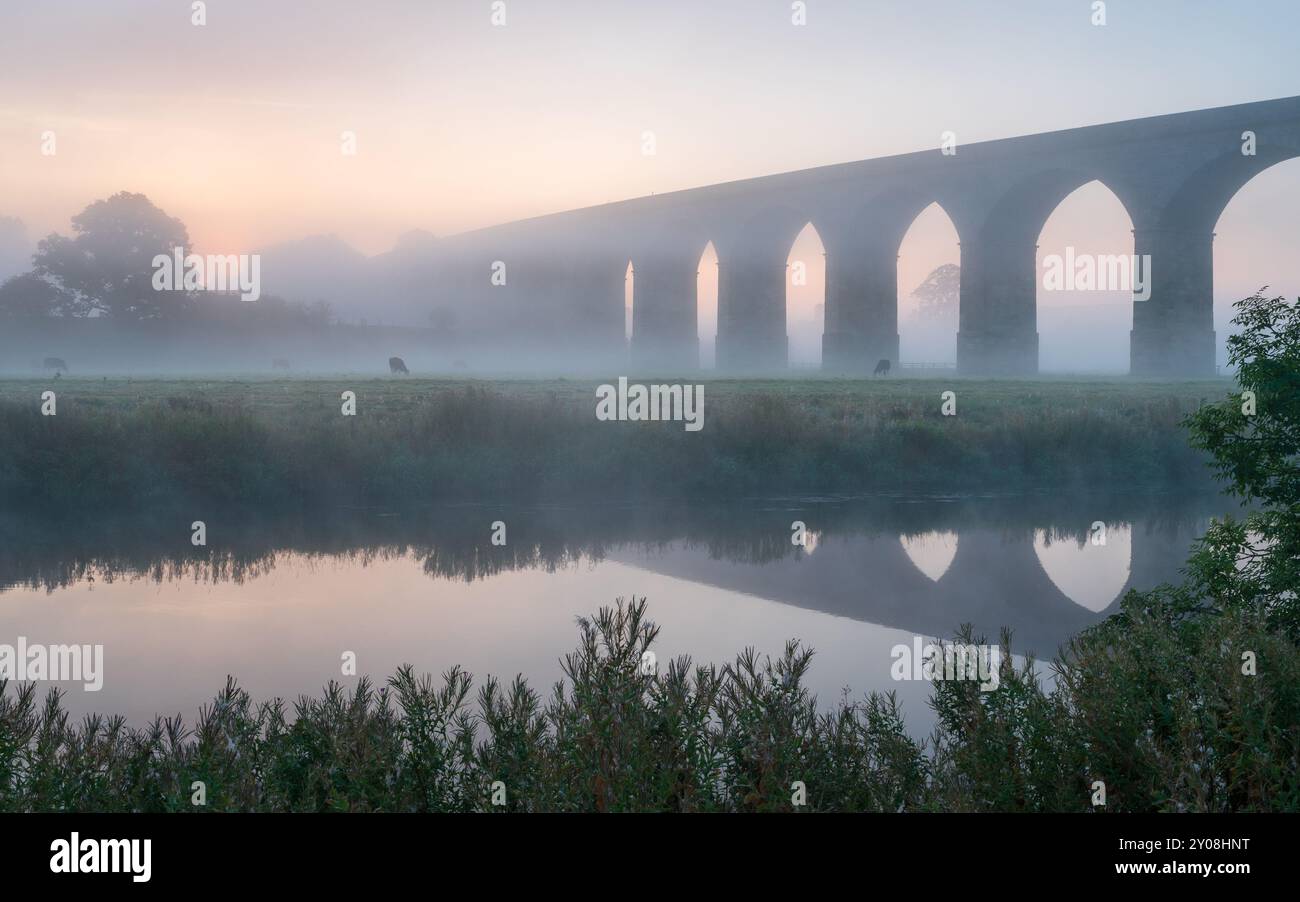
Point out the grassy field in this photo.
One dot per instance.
(278, 442)
(397, 393)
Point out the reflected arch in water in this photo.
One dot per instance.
(931, 552)
(1090, 574)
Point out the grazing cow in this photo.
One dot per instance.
(397, 365)
(55, 363)
(882, 368)
(279, 363)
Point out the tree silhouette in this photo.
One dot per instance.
(939, 294)
(107, 268)
(29, 297)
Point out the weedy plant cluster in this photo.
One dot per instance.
(1155, 705)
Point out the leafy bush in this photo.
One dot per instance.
(1154, 704)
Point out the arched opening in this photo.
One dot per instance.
(929, 282)
(805, 299)
(706, 306)
(1254, 245)
(629, 299)
(1085, 283)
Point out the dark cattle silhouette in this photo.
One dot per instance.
(55, 363)
(397, 365)
(279, 363)
(882, 368)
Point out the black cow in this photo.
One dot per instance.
(882, 368)
(397, 365)
(55, 363)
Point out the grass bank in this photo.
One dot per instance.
(285, 443)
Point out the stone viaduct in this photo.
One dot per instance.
(564, 274)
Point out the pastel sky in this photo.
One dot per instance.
(235, 126)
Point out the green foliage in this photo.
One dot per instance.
(1255, 445)
(1155, 704)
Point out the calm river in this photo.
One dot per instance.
(278, 604)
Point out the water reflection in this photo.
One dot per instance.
(932, 552)
(1095, 579)
(278, 603)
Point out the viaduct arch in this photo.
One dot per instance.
(1174, 175)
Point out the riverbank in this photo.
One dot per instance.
(288, 444)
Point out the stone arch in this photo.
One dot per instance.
(706, 303)
(929, 256)
(1024, 208)
(752, 262)
(629, 300)
(1254, 242)
(1086, 277)
(1203, 195)
(998, 332)
(805, 295)
(1174, 331)
(665, 330)
(862, 243)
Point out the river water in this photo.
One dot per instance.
(278, 604)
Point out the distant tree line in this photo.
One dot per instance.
(105, 270)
